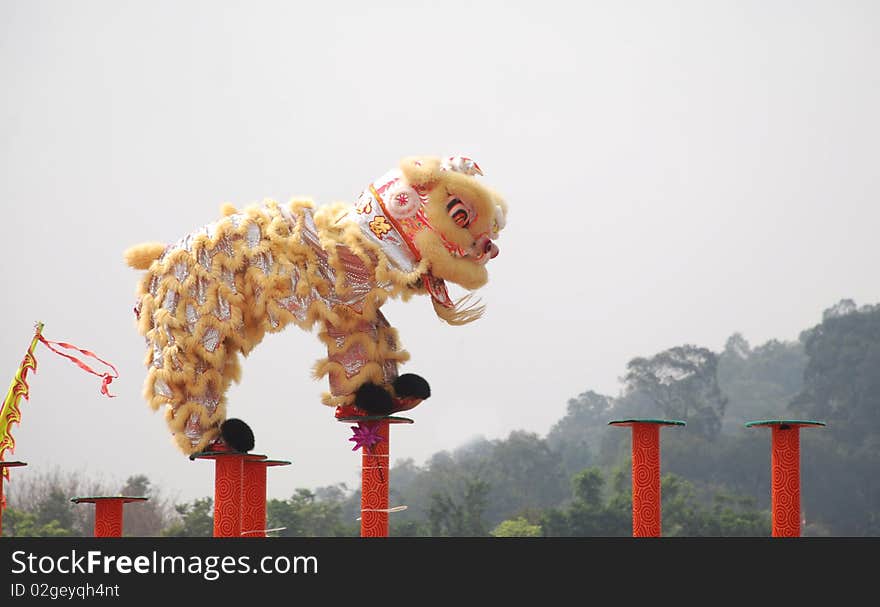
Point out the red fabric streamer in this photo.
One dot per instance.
(106, 377)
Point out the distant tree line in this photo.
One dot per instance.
(576, 480)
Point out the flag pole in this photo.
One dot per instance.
(10, 413)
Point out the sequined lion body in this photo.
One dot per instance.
(216, 292)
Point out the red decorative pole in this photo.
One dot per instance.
(3, 466)
(646, 473)
(373, 437)
(374, 484)
(253, 510)
(228, 476)
(108, 512)
(785, 473)
(239, 492)
(228, 483)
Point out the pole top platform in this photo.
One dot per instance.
(271, 462)
(12, 464)
(786, 423)
(646, 420)
(391, 419)
(218, 454)
(125, 499)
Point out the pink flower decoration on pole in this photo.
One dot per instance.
(365, 436)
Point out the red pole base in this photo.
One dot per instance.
(646, 505)
(108, 518)
(785, 473)
(374, 485)
(646, 480)
(785, 481)
(108, 513)
(253, 496)
(239, 492)
(228, 478)
(253, 507)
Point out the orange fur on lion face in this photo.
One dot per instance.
(214, 293)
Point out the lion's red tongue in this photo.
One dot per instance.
(437, 288)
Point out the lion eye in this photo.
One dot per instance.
(459, 213)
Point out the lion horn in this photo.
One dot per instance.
(461, 164)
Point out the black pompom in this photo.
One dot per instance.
(237, 434)
(374, 399)
(410, 385)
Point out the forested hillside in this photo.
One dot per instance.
(575, 481)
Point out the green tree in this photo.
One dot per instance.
(460, 516)
(517, 527)
(840, 484)
(196, 519)
(740, 462)
(577, 436)
(307, 515)
(144, 519)
(46, 495)
(521, 472)
(55, 507)
(759, 382)
(407, 528)
(683, 382)
(18, 523)
(729, 515)
(590, 514)
(841, 379)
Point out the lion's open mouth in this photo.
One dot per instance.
(437, 288)
(459, 312)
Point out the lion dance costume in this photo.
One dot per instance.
(217, 291)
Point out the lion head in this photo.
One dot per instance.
(437, 214)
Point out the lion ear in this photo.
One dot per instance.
(420, 170)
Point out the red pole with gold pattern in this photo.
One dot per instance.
(239, 492)
(374, 484)
(373, 437)
(785, 473)
(253, 495)
(108, 512)
(228, 475)
(228, 483)
(646, 473)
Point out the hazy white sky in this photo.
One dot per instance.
(676, 171)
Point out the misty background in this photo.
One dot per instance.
(676, 172)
